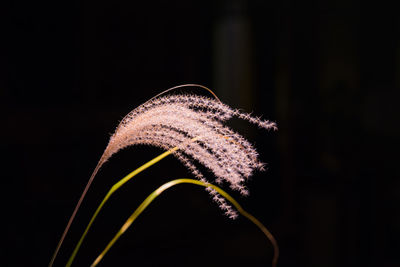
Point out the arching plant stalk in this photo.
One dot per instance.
(170, 184)
(114, 188)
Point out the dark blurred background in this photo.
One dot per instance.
(328, 72)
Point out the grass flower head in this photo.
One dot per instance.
(195, 124)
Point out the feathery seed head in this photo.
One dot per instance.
(195, 125)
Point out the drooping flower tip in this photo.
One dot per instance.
(195, 125)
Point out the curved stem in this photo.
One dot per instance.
(188, 85)
(114, 188)
(74, 213)
(164, 187)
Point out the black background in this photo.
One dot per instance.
(326, 71)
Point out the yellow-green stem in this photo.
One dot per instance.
(165, 186)
(114, 188)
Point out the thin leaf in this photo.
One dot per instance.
(170, 184)
(114, 188)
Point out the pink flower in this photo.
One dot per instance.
(176, 120)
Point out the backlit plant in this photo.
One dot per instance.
(190, 127)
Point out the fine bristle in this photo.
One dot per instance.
(174, 120)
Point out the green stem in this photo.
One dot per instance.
(165, 186)
(114, 188)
